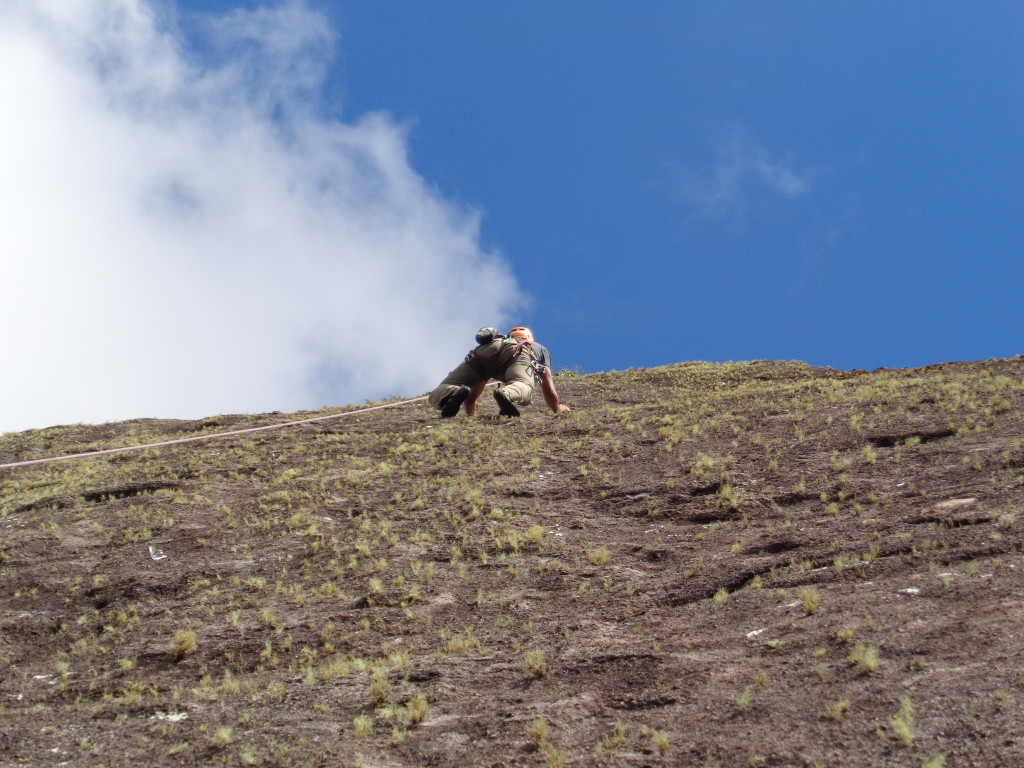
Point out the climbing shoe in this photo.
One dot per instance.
(505, 406)
(450, 404)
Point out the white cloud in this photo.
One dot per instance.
(741, 168)
(183, 240)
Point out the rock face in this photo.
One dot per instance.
(739, 564)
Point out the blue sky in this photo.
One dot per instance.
(642, 183)
(840, 183)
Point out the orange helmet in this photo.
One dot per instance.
(521, 333)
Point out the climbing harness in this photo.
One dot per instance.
(489, 359)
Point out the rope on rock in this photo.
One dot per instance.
(209, 437)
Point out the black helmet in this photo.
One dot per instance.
(487, 334)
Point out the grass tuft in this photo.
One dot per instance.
(183, 644)
(865, 657)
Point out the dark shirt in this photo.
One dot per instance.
(543, 356)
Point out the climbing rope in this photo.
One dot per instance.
(208, 437)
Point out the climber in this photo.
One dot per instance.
(515, 360)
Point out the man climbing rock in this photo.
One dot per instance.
(515, 360)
